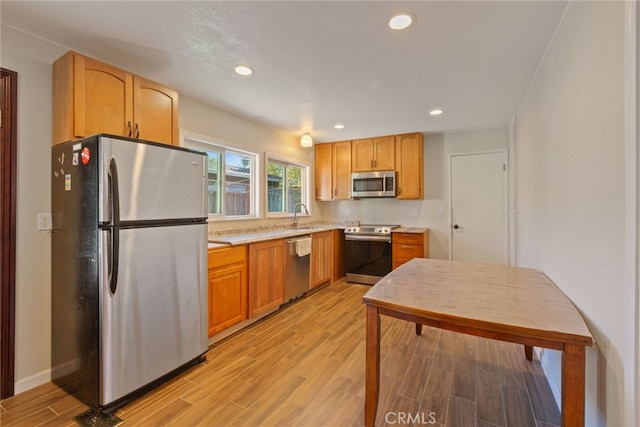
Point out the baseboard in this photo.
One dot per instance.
(555, 388)
(32, 381)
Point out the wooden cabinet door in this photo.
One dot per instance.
(362, 155)
(103, 98)
(155, 112)
(372, 154)
(321, 258)
(341, 170)
(227, 297)
(323, 171)
(90, 97)
(384, 153)
(227, 287)
(266, 276)
(410, 166)
(337, 248)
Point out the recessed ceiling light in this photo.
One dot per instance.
(436, 112)
(339, 126)
(402, 21)
(243, 70)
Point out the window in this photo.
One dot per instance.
(232, 179)
(286, 186)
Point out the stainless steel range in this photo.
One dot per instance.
(368, 252)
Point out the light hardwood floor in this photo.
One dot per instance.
(304, 366)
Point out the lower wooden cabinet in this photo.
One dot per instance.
(227, 287)
(321, 258)
(247, 281)
(410, 244)
(266, 276)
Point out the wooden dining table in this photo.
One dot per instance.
(505, 303)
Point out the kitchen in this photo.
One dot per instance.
(576, 234)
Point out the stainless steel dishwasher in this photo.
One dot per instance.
(297, 266)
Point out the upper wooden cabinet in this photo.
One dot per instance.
(341, 169)
(373, 154)
(91, 97)
(333, 170)
(323, 171)
(409, 166)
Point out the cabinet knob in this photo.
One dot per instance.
(137, 131)
(129, 128)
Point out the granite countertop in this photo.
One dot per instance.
(261, 236)
(409, 230)
(217, 245)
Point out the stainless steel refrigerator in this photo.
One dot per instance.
(129, 266)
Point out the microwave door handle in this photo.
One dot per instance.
(384, 185)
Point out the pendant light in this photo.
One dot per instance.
(306, 140)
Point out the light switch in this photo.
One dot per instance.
(45, 222)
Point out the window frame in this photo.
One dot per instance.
(201, 142)
(306, 182)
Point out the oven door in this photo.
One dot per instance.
(367, 259)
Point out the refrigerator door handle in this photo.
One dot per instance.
(114, 236)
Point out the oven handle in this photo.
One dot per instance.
(367, 238)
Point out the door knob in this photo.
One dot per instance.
(456, 226)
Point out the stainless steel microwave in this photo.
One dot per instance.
(373, 184)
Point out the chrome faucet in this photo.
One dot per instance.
(295, 217)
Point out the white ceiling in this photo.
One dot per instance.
(318, 63)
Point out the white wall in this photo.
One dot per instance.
(32, 59)
(570, 188)
(423, 213)
(197, 118)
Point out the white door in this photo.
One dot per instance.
(479, 207)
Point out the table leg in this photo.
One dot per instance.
(372, 367)
(573, 383)
(528, 352)
(418, 328)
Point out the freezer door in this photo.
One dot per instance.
(155, 319)
(154, 182)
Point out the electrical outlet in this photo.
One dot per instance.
(45, 222)
(414, 212)
(441, 209)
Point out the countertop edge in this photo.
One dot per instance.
(246, 239)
